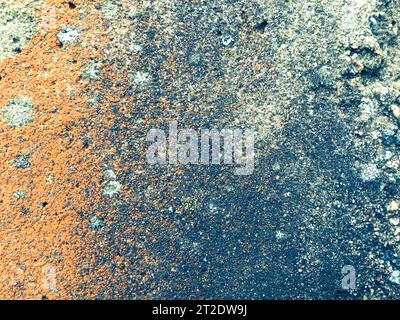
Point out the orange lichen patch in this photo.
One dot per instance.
(42, 238)
(51, 177)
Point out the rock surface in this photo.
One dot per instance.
(84, 216)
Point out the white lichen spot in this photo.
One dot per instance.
(18, 112)
(213, 208)
(94, 100)
(395, 277)
(227, 40)
(136, 48)
(96, 223)
(367, 109)
(111, 188)
(280, 235)
(110, 10)
(141, 79)
(92, 70)
(19, 194)
(370, 172)
(68, 35)
(49, 280)
(395, 111)
(110, 175)
(386, 155)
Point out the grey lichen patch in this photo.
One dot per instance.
(17, 27)
(21, 161)
(68, 35)
(96, 223)
(353, 16)
(18, 112)
(384, 125)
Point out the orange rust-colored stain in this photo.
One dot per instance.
(42, 239)
(46, 248)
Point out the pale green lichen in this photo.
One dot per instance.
(18, 112)
(111, 188)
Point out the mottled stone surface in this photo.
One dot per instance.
(82, 208)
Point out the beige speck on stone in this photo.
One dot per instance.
(393, 206)
(395, 110)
